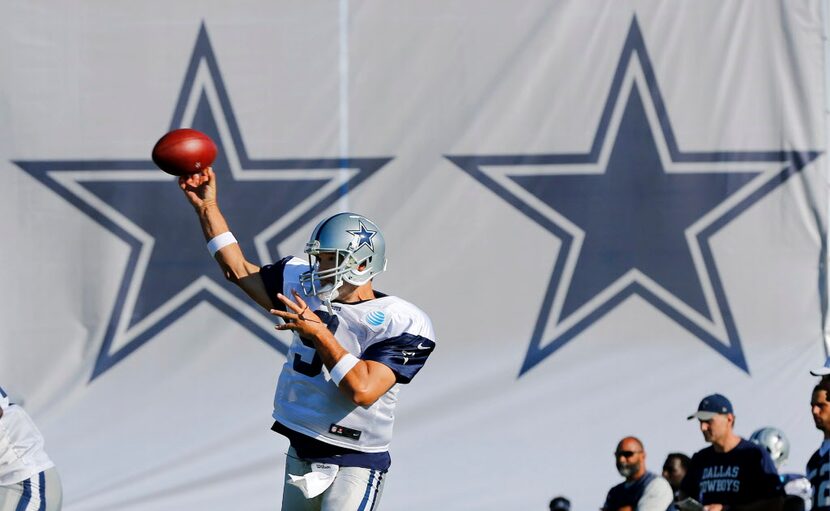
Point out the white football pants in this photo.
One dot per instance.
(41, 492)
(353, 489)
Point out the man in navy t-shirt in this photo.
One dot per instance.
(732, 471)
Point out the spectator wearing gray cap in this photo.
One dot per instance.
(732, 471)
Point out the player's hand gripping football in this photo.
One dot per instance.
(199, 188)
(298, 317)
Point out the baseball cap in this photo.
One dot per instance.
(711, 406)
(560, 504)
(822, 371)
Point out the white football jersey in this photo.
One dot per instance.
(21, 445)
(386, 329)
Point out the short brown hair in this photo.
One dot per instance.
(824, 385)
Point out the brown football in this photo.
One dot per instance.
(184, 151)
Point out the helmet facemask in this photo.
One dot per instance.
(324, 284)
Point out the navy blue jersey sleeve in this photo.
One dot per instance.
(405, 355)
(273, 278)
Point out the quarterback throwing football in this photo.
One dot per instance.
(336, 395)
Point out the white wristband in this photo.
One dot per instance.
(219, 242)
(343, 366)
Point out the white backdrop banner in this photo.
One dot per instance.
(609, 209)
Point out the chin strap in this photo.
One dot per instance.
(327, 303)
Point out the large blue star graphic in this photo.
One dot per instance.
(169, 271)
(634, 214)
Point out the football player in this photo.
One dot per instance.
(352, 348)
(28, 478)
(778, 446)
(818, 467)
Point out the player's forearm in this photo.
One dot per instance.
(362, 384)
(212, 220)
(328, 348)
(366, 382)
(230, 258)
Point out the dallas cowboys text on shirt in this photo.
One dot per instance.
(720, 478)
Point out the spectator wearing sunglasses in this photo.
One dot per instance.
(732, 472)
(641, 490)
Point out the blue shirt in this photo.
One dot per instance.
(627, 494)
(744, 475)
(818, 472)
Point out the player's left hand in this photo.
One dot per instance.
(297, 316)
